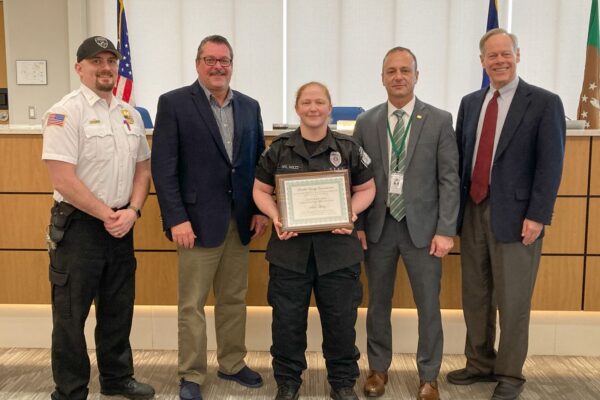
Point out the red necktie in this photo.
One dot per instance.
(481, 173)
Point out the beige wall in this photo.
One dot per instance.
(28, 41)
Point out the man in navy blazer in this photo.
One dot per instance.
(511, 139)
(206, 143)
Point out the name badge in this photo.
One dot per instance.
(396, 181)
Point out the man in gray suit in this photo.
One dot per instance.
(415, 162)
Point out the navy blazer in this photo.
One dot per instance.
(527, 166)
(195, 180)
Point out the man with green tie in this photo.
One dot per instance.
(415, 163)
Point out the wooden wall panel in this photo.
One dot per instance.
(258, 280)
(156, 278)
(450, 296)
(24, 277)
(148, 233)
(595, 167)
(567, 232)
(559, 284)
(593, 239)
(25, 218)
(22, 168)
(592, 284)
(575, 170)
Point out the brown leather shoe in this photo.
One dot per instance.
(428, 391)
(375, 384)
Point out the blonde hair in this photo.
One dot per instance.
(498, 31)
(311, 83)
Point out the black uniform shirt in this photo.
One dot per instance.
(287, 154)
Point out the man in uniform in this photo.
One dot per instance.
(98, 160)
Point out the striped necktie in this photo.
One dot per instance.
(398, 165)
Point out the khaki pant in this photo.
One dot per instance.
(225, 268)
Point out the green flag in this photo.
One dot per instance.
(589, 101)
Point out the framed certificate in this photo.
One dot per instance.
(314, 201)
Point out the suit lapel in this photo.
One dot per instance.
(469, 129)
(418, 119)
(382, 136)
(237, 128)
(203, 107)
(517, 109)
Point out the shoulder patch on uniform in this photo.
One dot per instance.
(55, 119)
(364, 157)
(265, 151)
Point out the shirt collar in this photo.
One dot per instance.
(211, 98)
(295, 140)
(510, 87)
(92, 98)
(408, 107)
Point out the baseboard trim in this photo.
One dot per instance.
(155, 327)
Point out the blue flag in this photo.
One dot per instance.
(492, 23)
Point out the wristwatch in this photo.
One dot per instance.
(137, 211)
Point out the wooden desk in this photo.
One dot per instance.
(569, 277)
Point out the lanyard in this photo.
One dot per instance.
(396, 151)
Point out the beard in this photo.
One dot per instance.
(105, 87)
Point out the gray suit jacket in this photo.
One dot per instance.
(431, 181)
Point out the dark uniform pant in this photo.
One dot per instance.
(338, 295)
(91, 265)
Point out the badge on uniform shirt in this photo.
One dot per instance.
(127, 116)
(55, 119)
(335, 158)
(396, 180)
(364, 157)
(94, 121)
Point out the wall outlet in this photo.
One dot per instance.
(31, 112)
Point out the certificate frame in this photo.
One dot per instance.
(314, 201)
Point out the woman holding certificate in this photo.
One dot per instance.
(321, 254)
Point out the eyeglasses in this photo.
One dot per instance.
(211, 61)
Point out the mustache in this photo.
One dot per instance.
(219, 72)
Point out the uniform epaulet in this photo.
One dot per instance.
(282, 136)
(343, 136)
(69, 96)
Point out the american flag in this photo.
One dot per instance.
(55, 119)
(124, 87)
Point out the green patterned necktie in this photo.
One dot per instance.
(398, 164)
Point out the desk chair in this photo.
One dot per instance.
(345, 113)
(145, 117)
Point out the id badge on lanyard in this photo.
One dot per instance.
(396, 181)
(397, 178)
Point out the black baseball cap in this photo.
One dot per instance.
(95, 45)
